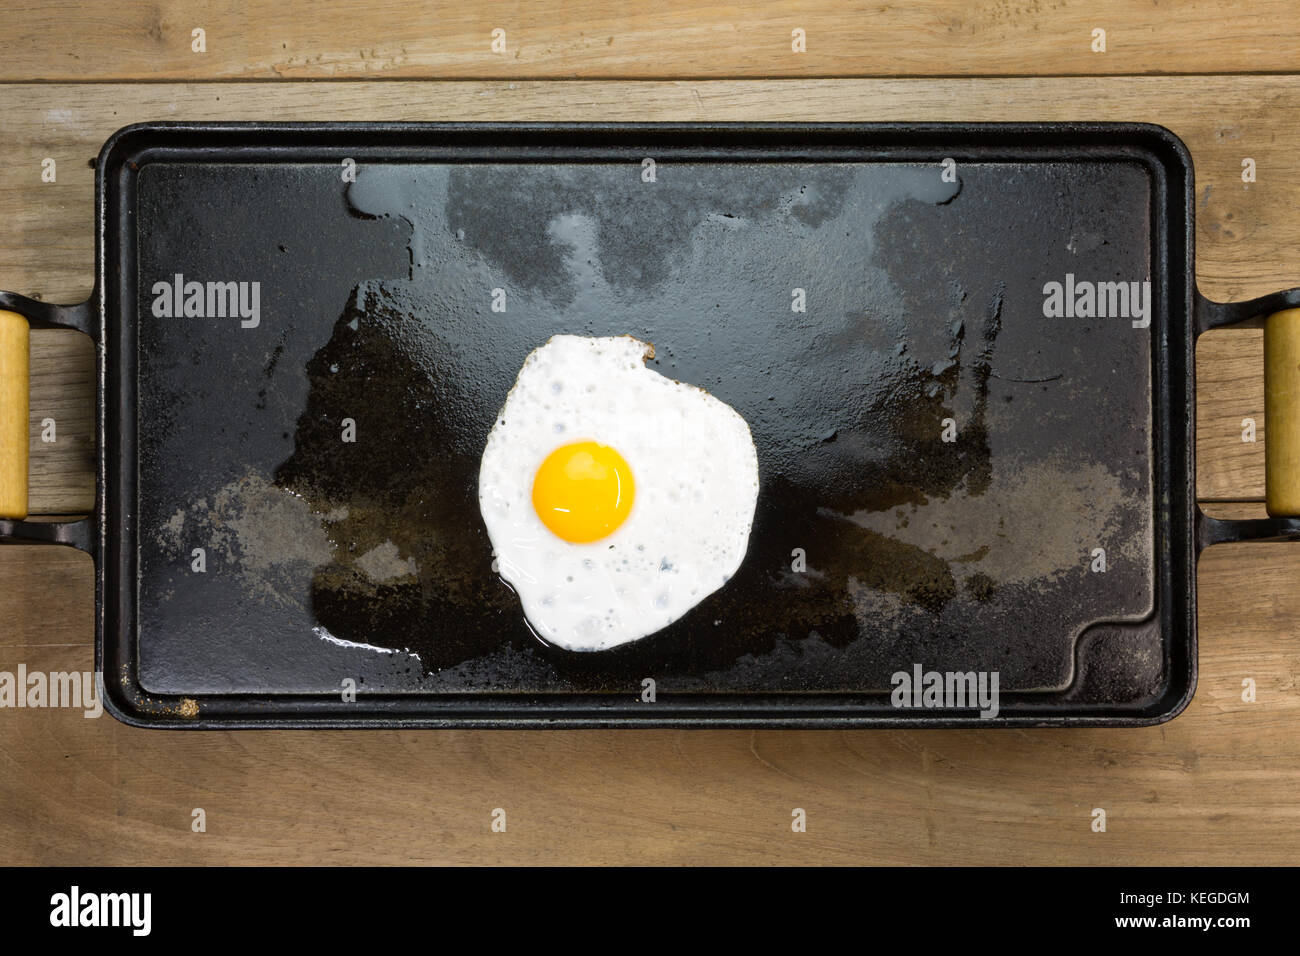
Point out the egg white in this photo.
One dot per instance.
(696, 473)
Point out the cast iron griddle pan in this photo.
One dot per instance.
(1051, 540)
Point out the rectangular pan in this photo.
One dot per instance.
(962, 471)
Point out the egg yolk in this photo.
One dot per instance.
(583, 491)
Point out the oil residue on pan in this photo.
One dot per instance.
(876, 542)
(876, 545)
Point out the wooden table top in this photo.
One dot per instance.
(1220, 784)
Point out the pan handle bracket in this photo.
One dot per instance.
(78, 534)
(18, 315)
(1250, 314)
(1222, 530)
(1278, 315)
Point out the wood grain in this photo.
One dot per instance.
(1221, 784)
(419, 39)
(1234, 510)
(62, 407)
(1229, 390)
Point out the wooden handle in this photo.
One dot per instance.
(1282, 413)
(14, 400)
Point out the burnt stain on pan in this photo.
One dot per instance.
(846, 415)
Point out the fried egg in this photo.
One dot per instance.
(615, 498)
